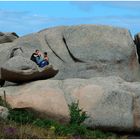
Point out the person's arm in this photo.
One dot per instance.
(40, 54)
(46, 58)
(35, 55)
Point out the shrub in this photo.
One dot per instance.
(21, 116)
(45, 123)
(74, 128)
(77, 116)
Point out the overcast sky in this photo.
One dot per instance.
(28, 16)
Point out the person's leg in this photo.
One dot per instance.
(43, 63)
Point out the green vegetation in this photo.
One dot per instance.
(22, 123)
(77, 116)
(21, 116)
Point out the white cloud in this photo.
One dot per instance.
(21, 22)
(85, 6)
(25, 22)
(126, 4)
(129, 22)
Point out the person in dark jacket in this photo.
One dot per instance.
(34, 55)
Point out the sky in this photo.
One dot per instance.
(25, 17)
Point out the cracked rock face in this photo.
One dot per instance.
(97, 65)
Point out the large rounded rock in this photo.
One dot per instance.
(8, 37)
(81, 51)
(19, 69)
(88, 50)
(20, 63)
(7, 50)
(4, 112)
(110, 102)
(48, 101)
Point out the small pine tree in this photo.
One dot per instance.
(77, 115)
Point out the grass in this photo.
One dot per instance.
(22, 124)
(13, 130)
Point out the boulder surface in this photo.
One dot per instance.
(8, 37)
(110, 102)
(98, 65)
(82, 51)
(4, 112)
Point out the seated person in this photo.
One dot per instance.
(45, 61)
(34, 55)
(46, 57)
(38, 58)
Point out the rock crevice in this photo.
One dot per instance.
(53, 50)
(137, 42)
(72, 56)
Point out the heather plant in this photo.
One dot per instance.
(10, 132)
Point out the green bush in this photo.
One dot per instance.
(71, 130)
(21, 116)
(75, 127)
(100, 134)
(77, 116)
(45, 123)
